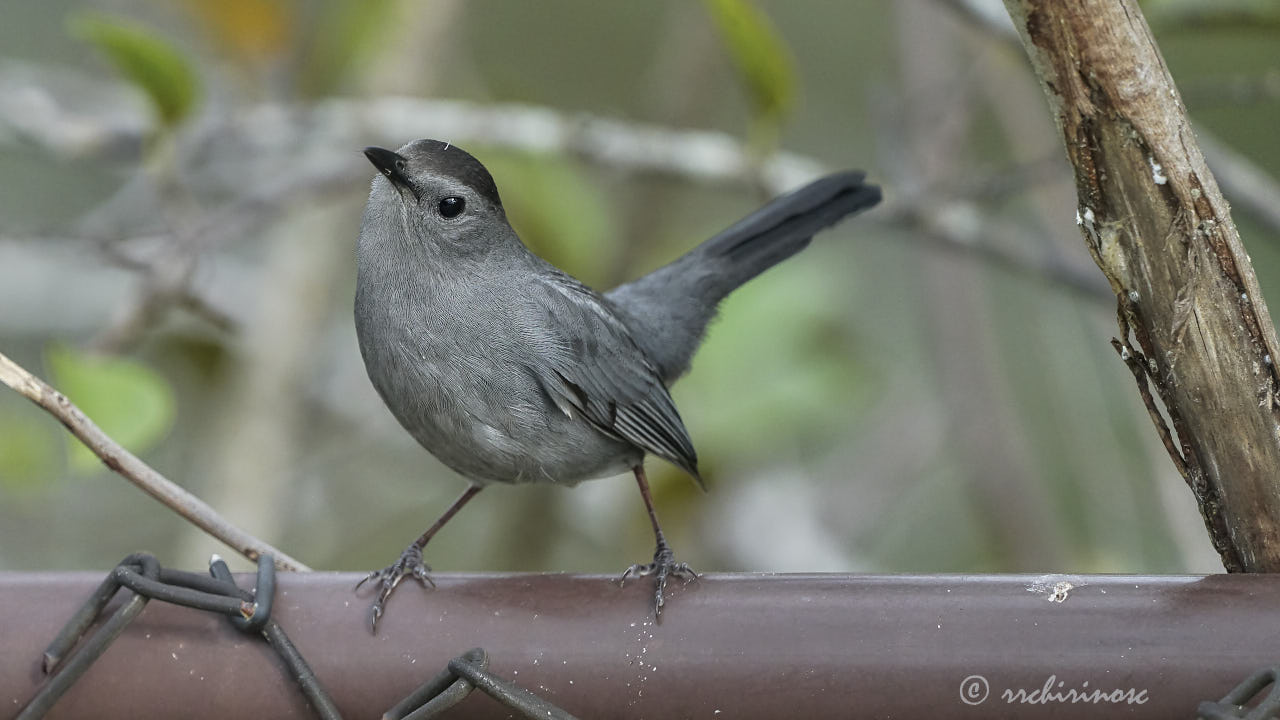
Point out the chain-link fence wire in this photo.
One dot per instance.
(67, 658)
(1235, 706)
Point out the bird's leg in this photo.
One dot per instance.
(664, 563)
(410, 562)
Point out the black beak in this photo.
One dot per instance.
(388, 163)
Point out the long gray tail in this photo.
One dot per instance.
(668, 309)
(783, 228)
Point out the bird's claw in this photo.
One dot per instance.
(664, 566)
(410, 564)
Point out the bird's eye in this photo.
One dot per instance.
(451, 206)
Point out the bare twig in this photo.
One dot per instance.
(165, 276)
(165, 283)
(963, 228)
(182, 296)
(203, 309)
(134, 470)
(1137, 364)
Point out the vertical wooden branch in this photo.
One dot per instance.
(1157, 226)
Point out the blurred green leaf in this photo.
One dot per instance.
(759, 55)
(27, 451)
(129, 401)
(347, 32)
(557, 211)
(774, 358)
(151, 62)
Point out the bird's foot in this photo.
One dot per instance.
(410, 564)
(664, 565)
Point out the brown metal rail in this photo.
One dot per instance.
(730, 646)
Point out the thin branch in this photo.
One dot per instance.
(962, 228)
(1191, 472)
(1137, 364)
(204, 310)
(135, 470)
(183, 296)
(996, 185)
(165, 283)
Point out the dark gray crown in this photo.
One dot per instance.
(452, 161)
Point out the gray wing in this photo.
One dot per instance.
(591, 367)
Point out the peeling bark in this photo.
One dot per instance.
(1193, 325)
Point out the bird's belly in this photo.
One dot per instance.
(566, 453)
(491, 423)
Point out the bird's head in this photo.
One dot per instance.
(439, 197)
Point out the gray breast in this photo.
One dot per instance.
(459, 383)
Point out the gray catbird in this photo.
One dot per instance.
(509, 370)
